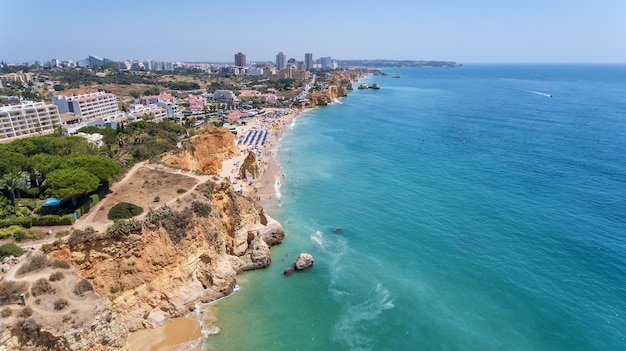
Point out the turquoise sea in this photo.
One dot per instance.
(477, 213)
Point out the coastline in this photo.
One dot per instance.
(265, 190)
(188, 332)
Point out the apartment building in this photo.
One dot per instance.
(150, 112)
(164, 100)
(27, 119)
(89, 106)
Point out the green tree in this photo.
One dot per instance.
(70, 183)
(101, 167)
(12, 182)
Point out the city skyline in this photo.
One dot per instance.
(191, 31)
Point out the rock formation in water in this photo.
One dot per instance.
(303, 261)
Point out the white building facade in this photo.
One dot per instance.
(28, 119)
(89, 106)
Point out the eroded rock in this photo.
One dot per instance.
(303, 261)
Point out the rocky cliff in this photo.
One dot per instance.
(147, 270)
(336, 86)
(205, 151)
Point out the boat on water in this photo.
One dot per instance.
(364, 86)
(396, 75)
(375, 86)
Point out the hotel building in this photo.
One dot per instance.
(89, 106)
(27, 119)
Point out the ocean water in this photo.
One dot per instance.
(476, 213)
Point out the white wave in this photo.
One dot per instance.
(337, 101)
(277, 187)
(351, 329)
(318, 239)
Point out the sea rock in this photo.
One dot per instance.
(288, 271)
(303, 261)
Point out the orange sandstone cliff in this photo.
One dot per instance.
(158, 266)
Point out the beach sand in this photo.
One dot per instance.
(186, 333)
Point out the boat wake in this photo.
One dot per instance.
(539, 93)
(351, 329)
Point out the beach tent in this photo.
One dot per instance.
(53, 201)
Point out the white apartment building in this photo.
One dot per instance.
(139, 112)
(89, 106)
(27, 119)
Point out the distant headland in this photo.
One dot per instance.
(396, 63)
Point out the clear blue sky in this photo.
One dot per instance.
(486, 31)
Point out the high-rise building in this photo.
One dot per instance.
(308, 60)
(28, 119)
(280, 60)
(240, 59)
(326, 62)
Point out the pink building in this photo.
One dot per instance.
(196, 102)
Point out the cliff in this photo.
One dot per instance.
(149, 269)
(205, 151)
(336, 86)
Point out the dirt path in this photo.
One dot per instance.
(143, 185)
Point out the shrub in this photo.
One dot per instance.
(16, 232)
(156, 199)
(181, 191)
(7, 250)
(60, 264)
(10, 291)
(52, 220)
(202, 209)
(25, 312)
(25, 222)
(34, 263)
(28, 328)
(6, 312)
(124, 210)
(60, 304)
(41, 287)
(82, 236)
(56, 276)
(82, 286)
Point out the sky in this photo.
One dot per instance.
(465, 31)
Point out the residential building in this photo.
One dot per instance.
(17, 77)
(327, 62)
(240, 59)
(280, 60)
(308, 61)
(89, 106)
(290, 72)
(224, 96)
(150, 112)
(27, 119)
(163, 100)
(196, 103)
(92, 61)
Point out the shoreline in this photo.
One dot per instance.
(265, 191)
(188, 332)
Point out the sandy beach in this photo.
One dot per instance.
(264, 189)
